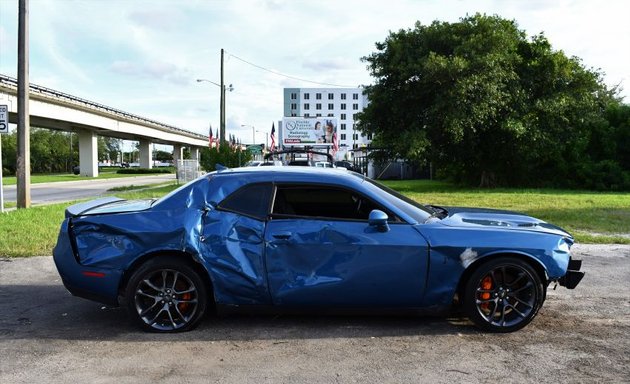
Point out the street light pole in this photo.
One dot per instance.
(223, 88)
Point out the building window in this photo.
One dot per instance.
(293, 96)
(307, 106)
(355, 96)
(331, 115)
(307, 96)
(355, 106)
(318, 106)
(293, 114)
(306, 115)
(343, 136)
(355, 136)
(318, 115)
(369, 137)
(331, 96)
(343, 116)
(343, 106)
(331, 106)
(293, 105)
(318, 96)
(343, 126)
(343, 96)
(355, 146)
(354, 116)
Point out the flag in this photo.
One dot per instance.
(217, 140)
(272, 148)
(210, 139)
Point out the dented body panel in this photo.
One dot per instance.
(416, 261)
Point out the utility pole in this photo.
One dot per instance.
(222, 106)
(23, 171)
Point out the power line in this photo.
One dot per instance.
(288, 76)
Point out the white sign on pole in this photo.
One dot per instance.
(4, 119)
(4, 128)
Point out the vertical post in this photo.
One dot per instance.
(23, 150)
(222, 106)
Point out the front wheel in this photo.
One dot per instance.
(503, 295)
(166, 295)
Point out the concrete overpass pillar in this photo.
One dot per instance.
(178, 153)
(144, 147)
(88, 153)
(194, 153)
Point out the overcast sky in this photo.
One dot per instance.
(143, 56)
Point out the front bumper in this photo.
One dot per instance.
(573, 276)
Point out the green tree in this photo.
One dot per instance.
(9, 152)
(226, 156)
(481, 101)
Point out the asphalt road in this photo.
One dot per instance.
(43, 193)
(579, 336)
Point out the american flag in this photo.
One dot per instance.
(273, 138)
(210, 139)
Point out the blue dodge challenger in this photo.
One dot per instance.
(308, 239)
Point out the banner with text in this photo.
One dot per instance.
(299, 131)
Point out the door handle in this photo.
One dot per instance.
(282, 235)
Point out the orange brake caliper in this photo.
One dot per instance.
(486, 284)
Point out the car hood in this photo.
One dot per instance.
(480, 217)
(107, 205)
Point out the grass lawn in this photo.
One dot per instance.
(35, 179)
(33, 231)
(592, 217)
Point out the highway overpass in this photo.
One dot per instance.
(52, 109)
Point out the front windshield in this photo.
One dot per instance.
(417, 211)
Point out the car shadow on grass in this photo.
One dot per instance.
(50, 312)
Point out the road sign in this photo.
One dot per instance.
(4, 119)
(255, 149)
(4, 128)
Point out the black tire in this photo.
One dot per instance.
(166, 295)
(503, 295)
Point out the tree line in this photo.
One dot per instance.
(486, 105)
(57, 151)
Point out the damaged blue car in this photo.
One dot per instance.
(308, 239)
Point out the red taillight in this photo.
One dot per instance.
(93, 274)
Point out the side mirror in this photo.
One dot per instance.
(378, 219)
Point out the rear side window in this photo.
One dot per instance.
(251, 200)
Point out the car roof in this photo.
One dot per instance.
(282, 170)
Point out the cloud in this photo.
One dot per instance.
(159, 19)
(158, 70)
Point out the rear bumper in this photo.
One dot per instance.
(90, 282)
(573, 276)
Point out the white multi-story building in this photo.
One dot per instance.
(342, 103)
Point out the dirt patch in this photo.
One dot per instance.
(580, 335)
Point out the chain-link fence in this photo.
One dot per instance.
(187, 170)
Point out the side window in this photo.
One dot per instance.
(250, 200)
(321, 202)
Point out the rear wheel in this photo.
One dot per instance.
(503, 295)
(166, 295)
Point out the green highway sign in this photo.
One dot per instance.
(255, 149)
